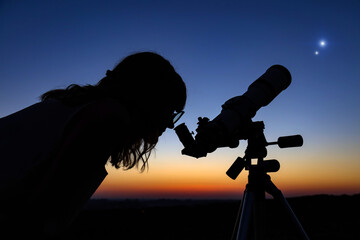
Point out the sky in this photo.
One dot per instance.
(219, 48)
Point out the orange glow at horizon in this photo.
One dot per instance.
(183, 177)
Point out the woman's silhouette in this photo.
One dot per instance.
(53, 153)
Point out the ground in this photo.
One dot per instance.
(322, 216)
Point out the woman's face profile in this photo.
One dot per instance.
(161, 121)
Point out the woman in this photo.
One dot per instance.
(53, 153)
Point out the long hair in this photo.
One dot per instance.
(148, 86)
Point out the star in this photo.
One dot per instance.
(322, 43)
(316, 52)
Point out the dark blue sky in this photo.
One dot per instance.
(218, 47)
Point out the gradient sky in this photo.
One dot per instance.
(219, 48)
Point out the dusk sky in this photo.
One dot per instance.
(219, 48)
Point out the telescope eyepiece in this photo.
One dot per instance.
(184, 135)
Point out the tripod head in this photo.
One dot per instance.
(256, 149)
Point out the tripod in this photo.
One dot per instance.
(259, 182)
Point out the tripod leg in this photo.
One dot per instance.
(245, 217)
(236, 226)
(277, 195)
(258, 214)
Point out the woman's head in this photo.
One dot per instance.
(152, 91)
(149, 86)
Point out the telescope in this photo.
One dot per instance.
(233, 123)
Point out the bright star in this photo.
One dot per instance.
(322, 43)
(316, 52)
